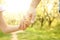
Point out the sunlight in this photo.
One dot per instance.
(50, 5)
(15, 9)
(16, 6)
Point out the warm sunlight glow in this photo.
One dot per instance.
(50, 5)
(15, 9)
(16, 6)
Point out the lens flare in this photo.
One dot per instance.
(15, 9)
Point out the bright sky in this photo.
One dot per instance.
(16, 6)
(15, 9)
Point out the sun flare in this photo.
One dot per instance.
(14, 9)
(16, 6)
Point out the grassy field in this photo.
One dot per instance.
(31, 34)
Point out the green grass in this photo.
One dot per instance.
(34, 35)
(4, 36)
(42, 35)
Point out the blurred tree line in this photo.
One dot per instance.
(47, 15)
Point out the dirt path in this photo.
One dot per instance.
(14, 35)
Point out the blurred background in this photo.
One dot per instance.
(45, 27)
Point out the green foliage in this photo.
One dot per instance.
(4, 36)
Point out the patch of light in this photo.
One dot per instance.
(50, 5)
(15, 9)
(16, 6)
